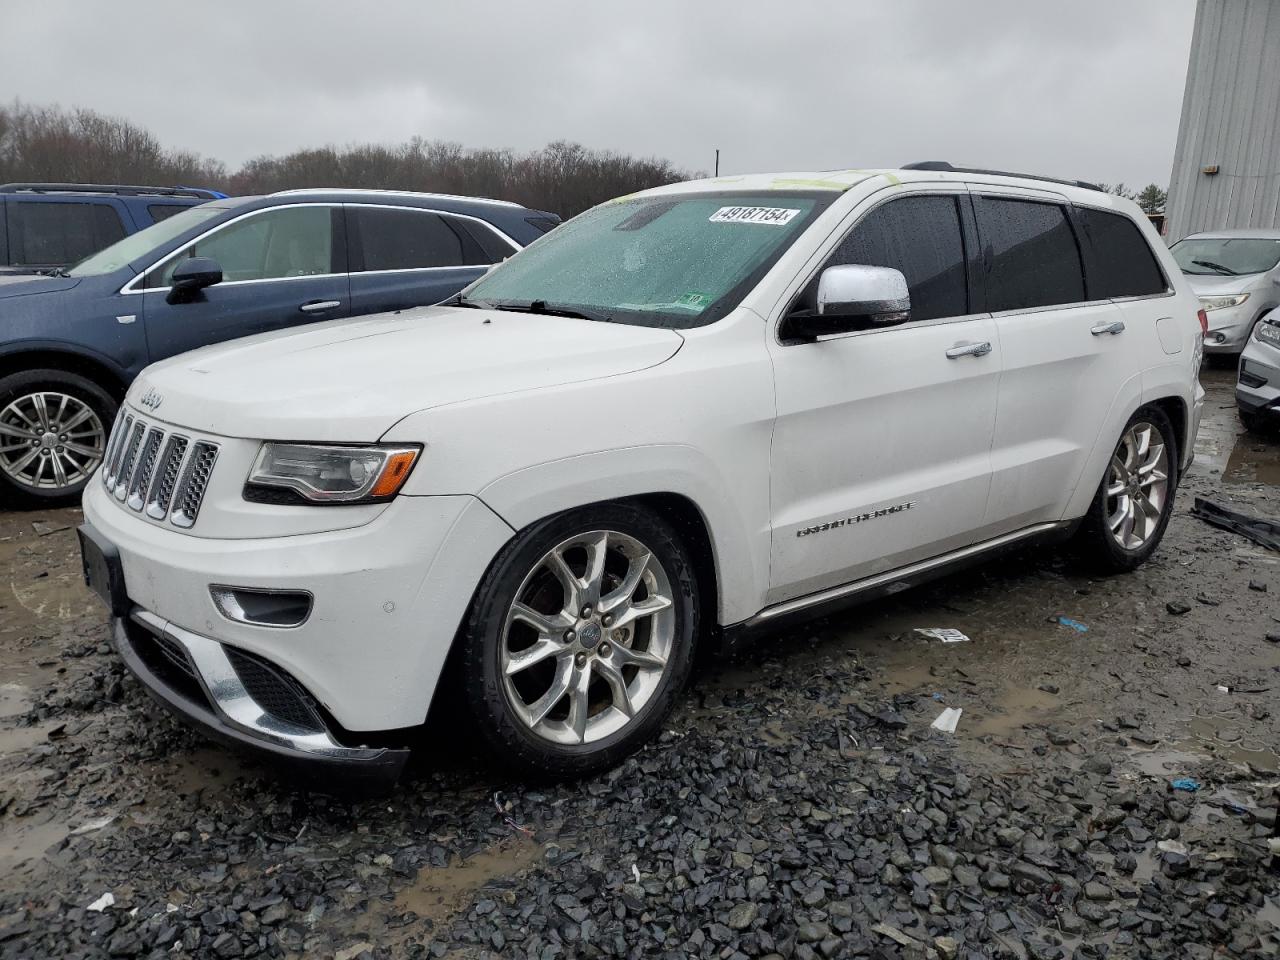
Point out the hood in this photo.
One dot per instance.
(1211, 285)
(21, 285)
(351, 380)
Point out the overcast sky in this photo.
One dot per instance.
(1086, 89)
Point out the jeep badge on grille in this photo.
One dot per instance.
(152, 399)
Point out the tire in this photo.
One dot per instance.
(1102, 548)
(1253, 422)
(527, 726)
(67, 399)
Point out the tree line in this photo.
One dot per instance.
(52, 144)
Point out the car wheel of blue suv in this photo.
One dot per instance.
(53, 432)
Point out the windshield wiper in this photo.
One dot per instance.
(1225, 271)
(461, 301)
(552, 310)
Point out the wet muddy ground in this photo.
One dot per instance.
(798, 803)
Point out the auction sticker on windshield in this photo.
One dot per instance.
(776, 216)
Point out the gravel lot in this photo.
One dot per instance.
(797, 805)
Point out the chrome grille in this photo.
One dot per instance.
(162, 474)
(130, 458)
(111, 461)
(141, 478)
(194, 481)
(161, 493)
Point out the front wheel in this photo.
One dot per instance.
(53, 433)
(580, 639)
(1131, 509)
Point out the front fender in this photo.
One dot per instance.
(740, 547)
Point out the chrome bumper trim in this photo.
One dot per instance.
(227, 693)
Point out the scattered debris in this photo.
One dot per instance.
(43, 528)
(1177, 607)
(1266, 533)
(108, 899)
(1258, 585)
(1075, 625)
(1187, 784)
(945, 634)
(946, 721)
(1172, 846)
(89, 826)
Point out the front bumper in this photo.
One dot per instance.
(1229, 328)
(195, 679)
(388, 595)
(1258, 379)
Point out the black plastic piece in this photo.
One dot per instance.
(943, 167)
(118, 189)
(1264, 532)
(103, 572)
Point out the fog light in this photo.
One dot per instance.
(262, 608)
(1217, 338)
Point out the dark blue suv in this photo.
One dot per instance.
(44, 226)
(71, 342)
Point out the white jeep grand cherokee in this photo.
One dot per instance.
(685, 414)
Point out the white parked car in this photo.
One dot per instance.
(1236, 274)
(686, 415)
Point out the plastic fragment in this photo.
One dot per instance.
(91, 825)
(1075, 625)
(108, 899)
(945, 634)
(946, 721)
(1188, 784)
(1172, 846)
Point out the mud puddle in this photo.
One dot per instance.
(439, 892)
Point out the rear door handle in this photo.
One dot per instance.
(319, 306)
(1112, 327)
(969, 350)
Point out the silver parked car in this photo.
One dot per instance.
(1235, 274)
(1258, 386)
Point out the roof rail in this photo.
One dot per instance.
(123, 190)
(943, 166)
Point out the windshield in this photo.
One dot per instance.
(673, 261)
(143, 242)
(1226, 257)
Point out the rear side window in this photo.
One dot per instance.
(922, 237)
(47, 234)
(392, 238)
(163, 211)
(1123, 264)
(1030, 253)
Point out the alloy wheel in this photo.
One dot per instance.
(1137, 485)
(586, 640)
(50, 440)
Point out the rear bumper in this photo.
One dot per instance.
(194, 678)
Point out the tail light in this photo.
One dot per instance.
(1204, 322)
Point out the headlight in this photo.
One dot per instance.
(329, 474)
(1221, 303)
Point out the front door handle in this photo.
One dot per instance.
(319, 306)
(1112, 327)
(969, 350)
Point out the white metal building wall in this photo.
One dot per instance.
(1230, 119)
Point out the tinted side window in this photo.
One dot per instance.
(289, 242)
(1031, 254)
(922, 237)
(1123, 264)
(391, 238)
(163, 211)
(52, 234)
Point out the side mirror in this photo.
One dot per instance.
(191, 276)
(853, 297)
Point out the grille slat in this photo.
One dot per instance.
(146, 466)
(195, 480)
(116, 449)
(130, 458)
(164, 475)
